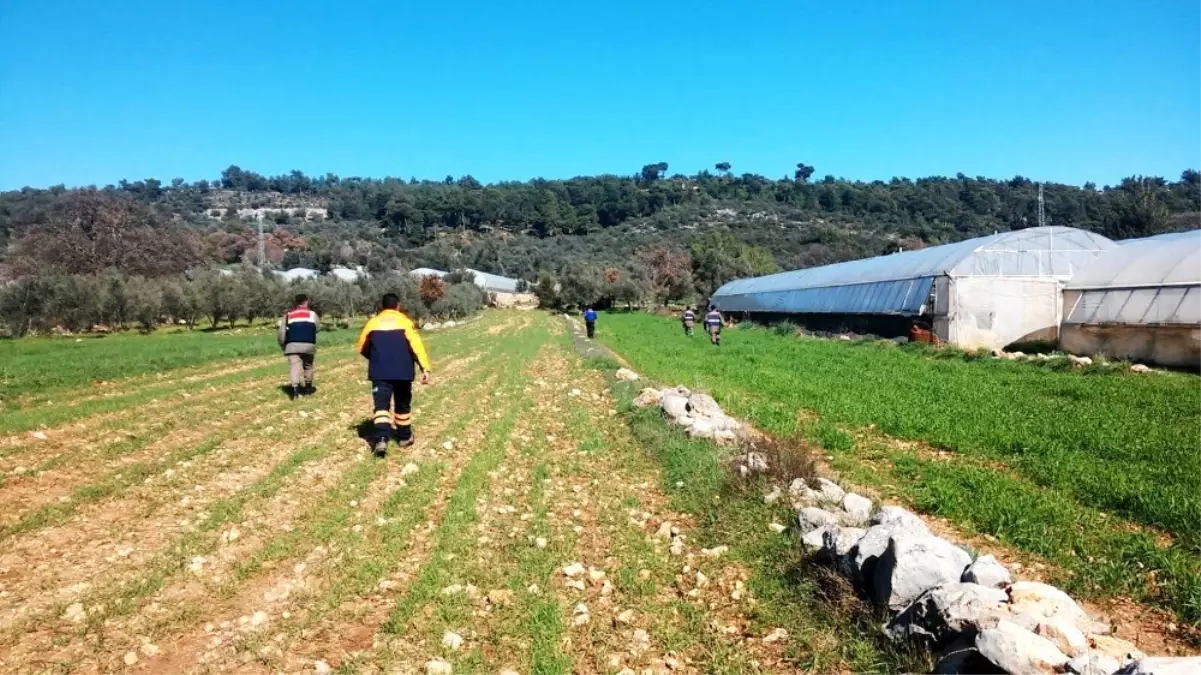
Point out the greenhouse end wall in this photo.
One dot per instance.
(993, 312)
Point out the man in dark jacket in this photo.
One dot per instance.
(394, 351)
(590, 322)
(297, 336)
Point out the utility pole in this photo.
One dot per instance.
(262, 245)
(1042, 213)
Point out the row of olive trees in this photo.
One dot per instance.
(114, 301)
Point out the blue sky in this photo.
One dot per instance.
(1093, 90)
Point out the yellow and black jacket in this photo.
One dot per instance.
(391, 345)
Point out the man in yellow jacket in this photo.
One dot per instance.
(394, 351)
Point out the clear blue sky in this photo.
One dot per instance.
(1093, 90)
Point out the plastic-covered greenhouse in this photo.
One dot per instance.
(1140, 301)
(491, 283)
(984, 292)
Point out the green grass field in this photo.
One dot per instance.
(31, 369)
(1097, 472)
(190, 517)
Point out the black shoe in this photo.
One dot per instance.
(406, 442)
(380, 449)
(308, 390)
(293, 393)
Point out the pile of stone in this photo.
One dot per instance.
(970, 612)
(699, 414)
(433, 325)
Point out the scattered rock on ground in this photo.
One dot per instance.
(627, 375)
(811, 518)
(986, 571)
(674, 405)
(648, 397)
(75, 613)
(948, 613)
(452, 640)
(1139, 368)
(858, 509)
(438, 667)
(913, 564)
(828, 491)
(889, 520)
(1014, 649)
(1043, 601)
(704, 405)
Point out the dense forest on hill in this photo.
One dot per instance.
(519, 228)
(651, 235)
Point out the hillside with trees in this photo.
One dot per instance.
(650, 236)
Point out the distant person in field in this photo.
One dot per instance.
(688, 318)
(590, 322)
(298, 338)
(713, 325)
(394, 351)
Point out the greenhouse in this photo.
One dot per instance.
(1140, 301)
(985, 292)
(490, 283)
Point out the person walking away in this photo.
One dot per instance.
(713, 325)
(590, 322)
(394, 351)
(688, 318)
(298, 338)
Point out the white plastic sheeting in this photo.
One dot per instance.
(1152, 281)
(900, 283)
(489, 282)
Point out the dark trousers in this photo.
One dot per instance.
(387, 395)
(591, 326)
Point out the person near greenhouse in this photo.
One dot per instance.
(713, 323)
(688, 318)
(590, 322)
(297, 337)
(394, 351)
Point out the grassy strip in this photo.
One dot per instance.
(1093, 555)
(106, 486)
(125, 476)
(828, 633)
(460, 514)
(35, 365)
(1100, 556)
(331, 524)
(1122, 442)
(543, 617)
(404, 510)
(124, 598)
(45, 416)
(166, 423)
